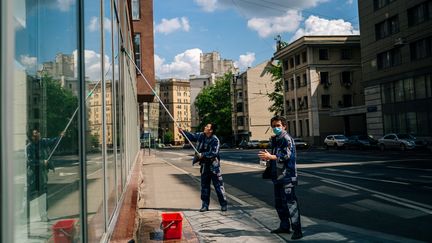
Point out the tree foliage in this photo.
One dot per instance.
(276, 97)
(214, 105)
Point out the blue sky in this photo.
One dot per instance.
(240, 30)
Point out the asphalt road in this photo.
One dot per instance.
(388, 192)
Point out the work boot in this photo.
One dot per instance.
(224, 208)
(203, 209)
(296, 235)
(280, 230)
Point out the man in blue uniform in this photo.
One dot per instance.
(282, 160)
(208, 158)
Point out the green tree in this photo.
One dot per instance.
(61, 105)
(168, 137)
(214, 105)
(276, 97)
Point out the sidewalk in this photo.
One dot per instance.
(167, 188)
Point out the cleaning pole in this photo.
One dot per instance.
(159, 99)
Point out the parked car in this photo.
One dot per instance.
(337, 141)
(301, 144)
(361, 142)
(396, 141)
(263, 144)
(252, 144)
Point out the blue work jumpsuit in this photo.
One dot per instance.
(284, 177)
(210, 166)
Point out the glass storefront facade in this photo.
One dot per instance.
(69, 118)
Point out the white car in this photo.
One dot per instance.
(337, 141)
(396, 141)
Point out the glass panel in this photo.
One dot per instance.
(399, 91)
(94, 128)
(420, 87)
(387, 93)
(409, 89)
(423, 124)
(45, 103)
(110, 173)
(411, 123)
(118, 108)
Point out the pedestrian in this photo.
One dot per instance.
(37, 152)
(282, 160)
(208, 158)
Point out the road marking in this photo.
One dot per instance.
(66, 173)
(390, 197)
(403, 204)
(404, 168)
(363, 178)
(343, 186)
(346, 163)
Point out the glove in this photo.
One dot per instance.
(197, 158)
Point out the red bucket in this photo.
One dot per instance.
(172, 225)
(64, 231)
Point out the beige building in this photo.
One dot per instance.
(95, 112)
(250, 116)
(396, 48)
(151, 116)
(175, 94)
(212, 63)
(322, 86)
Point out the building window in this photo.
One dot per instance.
(387, 93)
(240, 121)
(346, 54)
(204, 83)
(297, 60)
(387, 27)
(291, 62)
(324, 78)
(381, 3)
(298, 82)
(307, 127)
(325, 101)
(389, 58)
(301, 128)
(137, 49)
(286, 85)
(292, 83)
(420, 13)
(421, 49)
(346, 78)
(135, 5)
(323, 54)
(305, 102)
(304, 57)
(240, 107)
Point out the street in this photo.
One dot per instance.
(381, 192)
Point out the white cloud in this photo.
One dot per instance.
(207, 5)
(64, 5)
(245, 61)
(183, 65)
(275, 25)
(93, 65)
(319, 26)
(94, 24)
(30, 63)
(258, 8)
(170, 25)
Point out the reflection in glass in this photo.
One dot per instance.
(45, 106)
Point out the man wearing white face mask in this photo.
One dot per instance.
(282, 160)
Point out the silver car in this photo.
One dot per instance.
(396, 141)
(337, 141)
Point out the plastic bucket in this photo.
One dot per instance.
(64, 231)
(172, 225)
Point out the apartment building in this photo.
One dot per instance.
(150, 116)
(250, 109)
(175, 94)
(323, 93)
(212, 63)
(396, 48)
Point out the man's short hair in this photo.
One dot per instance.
(278, 118)
(213, 127)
